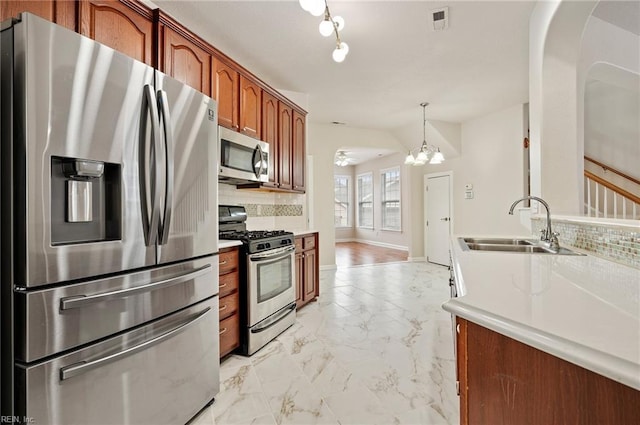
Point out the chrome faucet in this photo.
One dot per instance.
(547, 235)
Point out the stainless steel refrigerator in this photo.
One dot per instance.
(109, 234)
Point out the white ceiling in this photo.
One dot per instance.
(396, 61)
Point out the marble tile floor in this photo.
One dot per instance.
(376, 348)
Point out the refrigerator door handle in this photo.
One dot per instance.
(79, 301)
(165, 116)
(84, 366)
(150, 220)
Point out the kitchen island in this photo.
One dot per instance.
(546, 337)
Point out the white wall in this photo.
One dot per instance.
(490, 160)
(395, 239)
(608, 73)
(323, 140)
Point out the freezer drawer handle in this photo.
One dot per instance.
(86, 366)
(79, 301)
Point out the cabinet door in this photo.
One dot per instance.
(186, 62)
(125, 27)
(250, 107)
(270, 134)
(224, 89)
(61, 12)
(299, 279)
(461, 368)
(299, 156)
(310, 275)
(285, 140)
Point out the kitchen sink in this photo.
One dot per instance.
(499, 241)
(511, 245)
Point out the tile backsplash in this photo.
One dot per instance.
(267, 210)
(619, 243)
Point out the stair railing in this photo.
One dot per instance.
(605, 199)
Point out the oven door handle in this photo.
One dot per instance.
(273, 254)
(84, 366)
(78, 301)
(271, 321)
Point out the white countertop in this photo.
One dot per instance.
(227, 243)
(582, 309)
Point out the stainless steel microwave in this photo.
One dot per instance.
(242, 158)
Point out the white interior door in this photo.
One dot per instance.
(438, 217)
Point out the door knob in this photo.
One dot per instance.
(444, 219)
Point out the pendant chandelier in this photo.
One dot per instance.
(329, 25)
(425, 153)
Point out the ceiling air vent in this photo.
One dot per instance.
(440, 18)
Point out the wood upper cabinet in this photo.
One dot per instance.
(250, 107)
(225, 89)
(125, 26)
(185, 60)
(61, 12)
(299, 154)
(285, 137)
(270, 135)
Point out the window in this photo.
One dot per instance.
(390, 195)
(342, 201)
(365, 200)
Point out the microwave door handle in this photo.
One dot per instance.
(165, 116)
(149, 218)
(257, 162)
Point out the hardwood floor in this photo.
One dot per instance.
(357, 254)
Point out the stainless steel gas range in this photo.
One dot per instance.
(267, 290)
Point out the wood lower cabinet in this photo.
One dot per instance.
(307, 269)
(503, 381)
(125, 26)
(229, 303)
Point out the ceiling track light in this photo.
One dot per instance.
(329, 25)
(425, 152)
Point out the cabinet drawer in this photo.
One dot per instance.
(309, 242)
(229, 335)
(228, 261)
(229, 305)
(298, 243)
(228, 283)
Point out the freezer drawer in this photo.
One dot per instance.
(58, 319)
(161, 373)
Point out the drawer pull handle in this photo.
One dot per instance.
(224, 307)
(223, 330)
(222, 285)
(223, 262)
